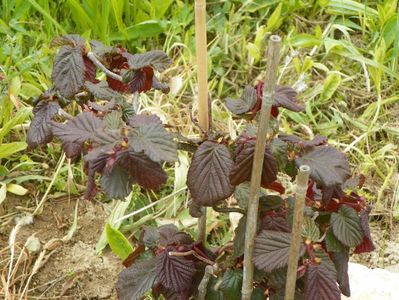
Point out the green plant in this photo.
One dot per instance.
(126, 148)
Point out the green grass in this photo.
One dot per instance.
(344, 54)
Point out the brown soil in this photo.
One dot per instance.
(73, 270)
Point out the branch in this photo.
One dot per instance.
(228, 209)
(192, 252)
(98, 63)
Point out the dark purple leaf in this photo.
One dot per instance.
(330, 192)
(244, 104)
(239, 237)
(97, 159)
(147, 173)
(100, 49)
(139, 120)
(139, 80)
(90, 70)
(163, 87)
(134, 281)
(154, 141)
(68, 71)
(275, 223)
(195, 209)
(170, 235)
(367, 242)
(102, 91)
(72, 150)
(156, 59)
(208, 175)
(346, 226)
(85, 126)
(150, 236)
(341, 260)
(271, 250)
(354, 183)
(285, 96)
(175, 272)
(91, 186)
(73, 40)
(243, 166)
(320, 284)
(328, 166)
(118, 184)
(40, 130)
(318, 140)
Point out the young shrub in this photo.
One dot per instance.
(124, 148)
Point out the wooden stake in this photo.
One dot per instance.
(273, 56)
(300, 196)
(202, 75)
(202, 64)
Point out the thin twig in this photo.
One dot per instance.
(193, 253)
(203, 286)
(228, 209)
(300, 196)
(98, 63)
(273, 55)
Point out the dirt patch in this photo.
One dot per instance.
(71, 269)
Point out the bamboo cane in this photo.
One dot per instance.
(300, 196)
(203, 105)
(273, 55)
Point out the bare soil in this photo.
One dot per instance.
(73, 270)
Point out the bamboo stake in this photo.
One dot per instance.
(203, 105)
(273, 56)
(296, 237)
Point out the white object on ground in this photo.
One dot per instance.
(372, 284)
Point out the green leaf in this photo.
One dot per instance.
(275, 19)
(310, 231)
(68, 71)
(113, 120)
(346, 226)
(118, 242)
(231, 284)
(20, 117)
(239, 237)
(142, 30)
(6, 150)
(213, 293)
(332, 244)
(330, 85)
(16, 189)
(279, 150)
(304, 40)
